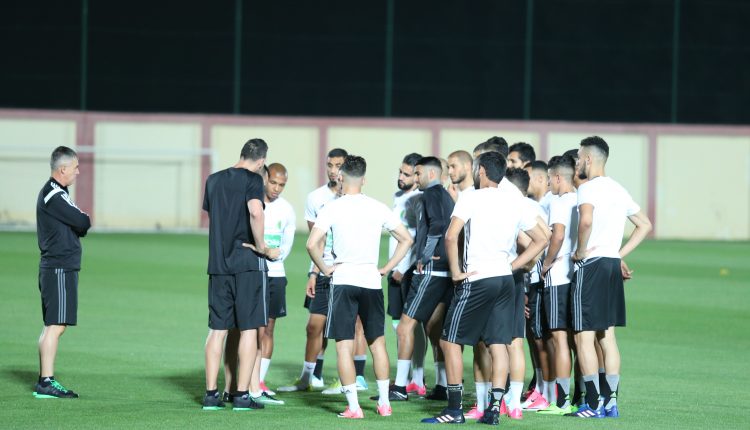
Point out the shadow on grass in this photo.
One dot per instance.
(23, 377)
(191, 383)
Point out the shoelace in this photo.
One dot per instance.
(58, 386)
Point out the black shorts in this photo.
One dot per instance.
(277, 297)
(598, 296)
(346, 303)
(481, 310)
(238, 301)
(319, 303)
(520, 278)
(397, 292)
(59, 289)
(537, 321)
(425, 293)
(557, 306)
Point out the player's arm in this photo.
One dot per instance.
(435, 228)
(62, 209)
(402, 236)
(451, 249)
(555, 243)
(534, 248)
(642, 228)
(585, 221)
(315, 243)
(257, 229)
(287, 237)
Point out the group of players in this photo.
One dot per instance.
(486, 249)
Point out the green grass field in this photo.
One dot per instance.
(137, 355)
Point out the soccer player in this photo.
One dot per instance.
(59, 227)
(236, 267)
(279, 233)
(356, 222)
(406, 205)
(598, 296)
(520, 155)
(493, 144)
(459, 172)
(431, 288)
(482, 308)
(557, 269)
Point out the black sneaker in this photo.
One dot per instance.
(491, 416)
(395, 394)
(212, 403)
(54, 390)
(448, 416)
(438, 393)
(245, 403)
(227, 397)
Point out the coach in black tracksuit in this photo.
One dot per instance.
(60, 225)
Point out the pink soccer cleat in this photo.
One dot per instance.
(537, 405)
(473, 413)
(413, 387)
(503, 408)
(531, 398)
(352, 415)
(516, 414)
(385, 410)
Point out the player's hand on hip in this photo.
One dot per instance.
(310, 287)
(460, 277)
(626, 272)
(397, 276)
(328, 270)
(273, 253)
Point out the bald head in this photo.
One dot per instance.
(276, 182)
(277, 168)
(459, 168)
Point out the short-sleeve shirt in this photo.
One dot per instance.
(564, 211)
(493, 218)
(612, 204)
(279, 232)
(541, 211)
(357, 222)
(315, 201)
(225, 199)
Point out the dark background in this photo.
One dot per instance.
(578, 60)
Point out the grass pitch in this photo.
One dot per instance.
(136, 357)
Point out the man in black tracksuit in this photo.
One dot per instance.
(60, 225)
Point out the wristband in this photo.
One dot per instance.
(312, 273)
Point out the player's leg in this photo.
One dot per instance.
(230, 363)
(482, 362)
(417, 385)
(267, 343)
(434, 327)
(405, 333)
(360, 356)
(608, 342)
(340, 326)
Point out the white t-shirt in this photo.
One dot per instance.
(546, 200)
(538, 208)
(357, 222)
(612, 204)
(316, 200)
(493, 218)
(564, 211)
(399, 209)
(507, 185)
(279, 232)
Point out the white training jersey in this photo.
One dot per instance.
(400, 200)
(546, 200)
(563, 211)
(279, 229)
(493, 218)
(357, 222)
(316, 200)
(539, 209)
(612, 204)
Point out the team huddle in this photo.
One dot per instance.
(487, 250)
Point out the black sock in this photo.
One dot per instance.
(496, 396)
(455, 394)
(359, 367)
(577, 393)
(592, 395)
(561, 395)
(212, 393)
(606, 391)
(45, 381)
(532, 383)
(318, 372)
(507, 383)
(241, 393)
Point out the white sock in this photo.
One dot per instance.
(264, 363)
(383, 392)
(307, 371)
(440, 374)
(351, 396)
(539, 380)
(543, 391)
(256, 394)
(549, 391)
(402, 372)
(483, 389)
(417, 376)
(516, 389)
(394, 324)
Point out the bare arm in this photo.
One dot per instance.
(642, 228)
(555, 243)
(257, 218)
(315, 248)
(402, 236)
(585, 220)
(451, 249)
(538, 242)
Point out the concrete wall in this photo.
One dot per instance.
(147, 171)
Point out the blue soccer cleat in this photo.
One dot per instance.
(586, 412)
(612, 412)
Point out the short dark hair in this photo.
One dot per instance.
(430, 161)
(560, 163)
(525, 151)
(572, 153)
(518, 177)
(598, 143)
(412, 159)
(254, 149)
(538, 165)
(337, 152)
(494, 143)
(59, 154)
(354, 166)
(494, 165)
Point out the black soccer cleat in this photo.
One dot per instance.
(54, 390)
(395, 394)
(212, 402)
(438, 393)
(448, 416)
(491, 416)
(245, 403)
(227, 397)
